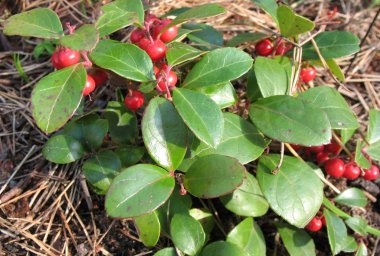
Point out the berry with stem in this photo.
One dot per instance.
(89, 86)
(372, 173)
(334, 167)
(351, 171)
(100, 76)
(137, 35)
(322, 157)
(134, 100)
(65, 57)
(308, 74)
(264, 47)
(156, 49)
(169, 34)
(314, 225)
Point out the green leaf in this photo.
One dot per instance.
(249, 237)
(332, 44)
(292, 24)
(222, 248)
(187, 233)
(204, 217)
(101, 169)
(57, 96)
(89, 130)
(126, 60)
(218, 66)
(362, 251)
(246, 37)
(240, 140)
(360, 158)
(352, 197)
(296, 180)
(129, 155)
(333, 104)
(39, 22)
(46, 47)
(204, 36)
(287, 65)
(247, 200)
(297, 241)
(62, 149)
(122, 123)
(269, 6)
(138, 190)
(179, 53)
(350, 244)
(148, 227)
(253, 89)
(84, 38)
(223, 94)
(373, 133)
(337, 232)
(335, 69)
(198, 12)
(119, 14)
(213, 176)
(201, 115)
(170, 251)
(271, 77)
(373, 151)
(164, 133)
(358, 225)
(291, 120)
(346, 135)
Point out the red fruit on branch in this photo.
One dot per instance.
(100, 76)
(264, 47)
(308, 74)
(89, 86)
(170, 80)
(351, 171)
(334, 167)
(322, 157)
(371, 173)
(64, 57)
(333, 148)
(314, 225)
(169, 34)
(155, 49)
(134, 100)
(317, 149)
(137, 35)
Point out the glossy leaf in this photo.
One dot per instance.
(297, 241)
(296, 180)
(148, 227)
(292, 24)
(269, 6)
(352, 197)
(84, 38)
(337, 232)
(350, 244)
(164, 133)
(335, 69)
(291, 120)
(39, 22)
(346, 135)
(169, 251)
(205, 218)
(179, 53)
(249, 237)
(198, 12)
(62, 149)
(122, 123)
(222, 248)
(213, 176)
(201, 115)
(101, 169)
(333, 104)
(138, 190)
(360, 158)
(247, 200)
(57, 96)
(223, 94)
(218, 66)
(187, 233)
(129, 155)
(246, 37)
(362, 250)
(358, 225)
(271, 77)
(373, 151)
(373, 133)
(240, 140)
(204, 37)
(332, 44)
(90, 130)
(126, 60)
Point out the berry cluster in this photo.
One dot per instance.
(65, 57)
(152, 39)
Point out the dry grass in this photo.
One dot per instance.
(47, 209)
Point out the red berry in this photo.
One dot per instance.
(65, 57)
(333, 148)
(134, 101)
(317, 149)
(314, 225)
(169, 34)
(334, 167)
(308, 74)
(264, 47)
(100, 76)
(171, 80)
(371, 173)
(90, 85)
(282, 48)
(322, 157)
(351, 171)
(155, 49)
(137, 35)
